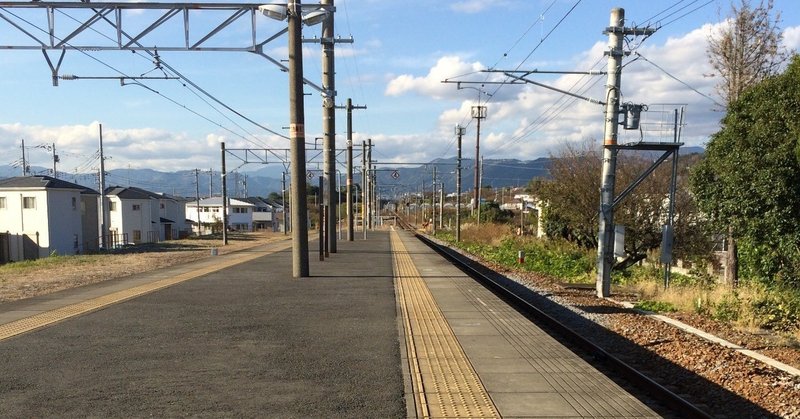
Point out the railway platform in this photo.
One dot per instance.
(383, 328)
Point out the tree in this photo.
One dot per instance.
(747, 50)
(749, 181)
(743, 54)
(572, 204)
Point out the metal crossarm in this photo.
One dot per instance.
(230, 17)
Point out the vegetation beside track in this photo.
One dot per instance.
(751, 306)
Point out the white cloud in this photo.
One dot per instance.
(77, 147)
(791, 38)
(529, 121)
(475, 6)
(431, 84)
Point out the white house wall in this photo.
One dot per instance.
(125, 220)
(64, 211)
(52, 218)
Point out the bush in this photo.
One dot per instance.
(655, 306)
(728, 308)
(778, 309)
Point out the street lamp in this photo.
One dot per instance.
(292, 13)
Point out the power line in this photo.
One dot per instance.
(679, 80)
(535, 48)
(160, 62)
(121, 73)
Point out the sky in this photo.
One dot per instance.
(402, 51)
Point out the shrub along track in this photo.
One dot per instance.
(719, 380)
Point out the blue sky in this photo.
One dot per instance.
(402, 52)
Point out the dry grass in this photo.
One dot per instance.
(33, 278)
(486, 233)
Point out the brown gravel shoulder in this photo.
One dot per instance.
(25, 280)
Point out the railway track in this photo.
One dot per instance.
(748, 392)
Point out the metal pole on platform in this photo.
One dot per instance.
(297, 136)
(329, 123)
(224, 197)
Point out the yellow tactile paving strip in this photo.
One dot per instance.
(444, 382)
(56, 315)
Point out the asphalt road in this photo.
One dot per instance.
(247, 341)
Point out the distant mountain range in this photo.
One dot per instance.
(391, 180)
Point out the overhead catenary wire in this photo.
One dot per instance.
(467, 122)
(185, 79)
(679, 80)
(123, 74)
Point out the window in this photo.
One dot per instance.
(162, 205)
(137, 207)
(2, 202)
(137, 236)
(29, 202)
(74, 203)
(112, 206)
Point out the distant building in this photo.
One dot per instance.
(42, 215)
(263, 214)
(139, 216)
(240, 214)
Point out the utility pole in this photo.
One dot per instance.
(197, 196)
(370, 197)
(285, 205)
(329, 122)
(441, 204)
(349, 192)
(460, 133)
(55, 160)
(223, 174)
(210, 182)
(478, 112)
(297, 136)
(364, 181)
(24, 163)
(605, 247)
(433, 202)
(103, 213)
(479, 171)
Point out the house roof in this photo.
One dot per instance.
(42, 182)
(217, 202)
(132, 192)
(259, 202)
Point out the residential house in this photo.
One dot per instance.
(172, 214)
(42, 215)
(209, 214)
(138, 216)
(263, 214)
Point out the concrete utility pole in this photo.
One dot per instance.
(285, 204)
(55, 161)
(297, 136)
(433, 202)
(223, 174)
(605, 247)
(364, 181)
(349, 192)
(197, 196)
(24, 163)
(103, 212)
(478, 112)
(460, 133)
(370, 192)
(329, 122)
